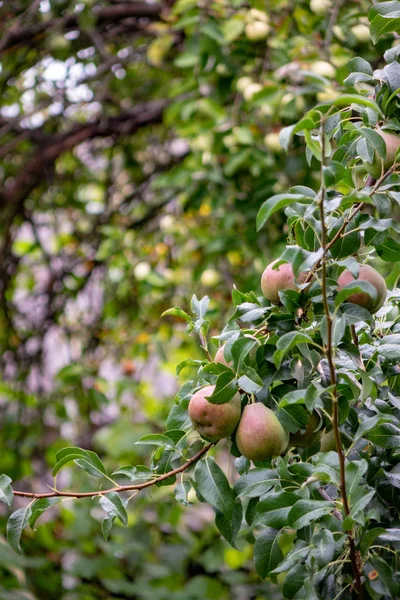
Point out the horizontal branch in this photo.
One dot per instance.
(42, 164)
(118, 488)
(126, 123)
(103, 16)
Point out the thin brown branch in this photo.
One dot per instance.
(329, 352)
(332, 22)
(118, 488)
(354, 337)
(326, 496)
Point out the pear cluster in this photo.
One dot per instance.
(257, 25)
(258, 432)
(275, 280)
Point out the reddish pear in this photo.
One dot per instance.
(213, 421)
(379, 166)
(220, 357)
(367, 273)
(260, 434)
(282, 278)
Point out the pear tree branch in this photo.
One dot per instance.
(329, 351)
(118, 488)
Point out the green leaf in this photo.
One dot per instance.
(276, 507)
(229, 528)
(112, 504)
(390, 352)
(309, 121)
(293, 417)
(213, 486)
(250, 382)
(189, 362)
(361, 504)
(275, 203)
(181, 492)
(390, 535)
(15, 526)
(84, 458)
(305, 512)
(267, 553)
(39, 507)
(240, 349)
(177, 312)
(338, 329)
(138, 474)
(370, 424)
(351, 99)
(383, 23)
(389, 250)
(225, 388)
(6, 492)
(199, 307)
(294, 581)
(375, 140)
(359, 65)
(386, 435)
(156, 439)
(300, 259)
(287, 342)
(92, 464)
(106, 526)
(355, 287)
(256, 482)
(368, 538)
(324, 547)
(383, 582)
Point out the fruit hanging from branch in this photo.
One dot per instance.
(370, 275)
(213, 421)
(260, 434)
(273, 280)
(379, 164)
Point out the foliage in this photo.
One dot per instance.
(105, 225)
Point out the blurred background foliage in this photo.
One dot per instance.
(138, 141)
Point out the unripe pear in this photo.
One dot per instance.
(320, 7)
(272, 142)
(141, 271)
(210, 278)
(328, 443)
(251, 90)
(243, 82)
(213, 421)
(323, 68)
(366, 273)
(273, 280)
(361, 32)
(256, 31)
(392, 142)
(310, 436)
(260, 435)
(256, 15)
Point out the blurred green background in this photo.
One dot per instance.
(138, 141)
